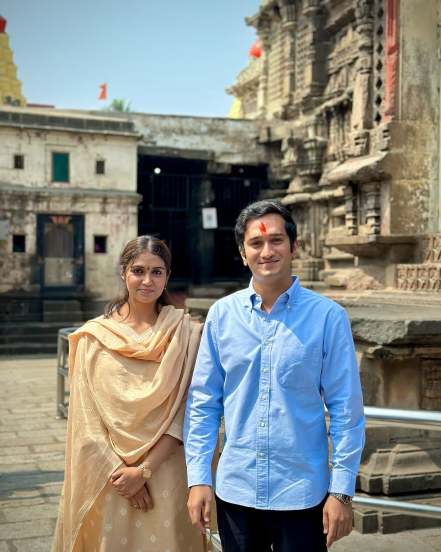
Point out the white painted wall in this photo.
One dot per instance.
(118, 152)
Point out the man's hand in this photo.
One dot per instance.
(142, 499)
(337, 520)
(199, 506)
(127, 481)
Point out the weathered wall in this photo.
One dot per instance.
(108, 202)
(222, 140)
(119, 154)
(105, 214)
(414, 159)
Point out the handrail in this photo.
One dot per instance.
(401, 506)
(396, 415)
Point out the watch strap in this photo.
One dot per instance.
(343, 498)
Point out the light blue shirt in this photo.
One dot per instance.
(270, 375)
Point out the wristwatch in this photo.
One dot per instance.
(146, 470)
(344, 499)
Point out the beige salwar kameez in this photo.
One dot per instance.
(127, 390)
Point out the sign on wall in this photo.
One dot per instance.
(209, 218)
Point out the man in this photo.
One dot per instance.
(272, 357)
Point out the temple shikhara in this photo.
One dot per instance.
(346, 97)
(10, 86)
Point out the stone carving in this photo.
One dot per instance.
(433, 254)
(431, 385)
(391, 59)
(422, 277)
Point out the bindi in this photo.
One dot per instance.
(262, 228)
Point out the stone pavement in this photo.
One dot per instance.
(31, 467)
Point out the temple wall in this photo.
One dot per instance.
(414, 159)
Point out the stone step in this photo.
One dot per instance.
(61, 306)
(34, 328)
(27, 348)
(60, 316)
(29, 338)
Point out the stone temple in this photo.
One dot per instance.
(337, 115)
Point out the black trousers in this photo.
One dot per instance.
(244, 529)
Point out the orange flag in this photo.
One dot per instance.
(103, 92)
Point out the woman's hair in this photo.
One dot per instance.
(134, 248)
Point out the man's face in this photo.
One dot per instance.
(267, 249)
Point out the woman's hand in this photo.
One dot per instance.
(127, 481)
(142, 499)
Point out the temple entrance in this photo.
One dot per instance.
(174, 192)
(60, 246)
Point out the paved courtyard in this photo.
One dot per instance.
(31, 467)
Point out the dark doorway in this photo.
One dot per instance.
(60, 251)
(174, 193)
(169, 208)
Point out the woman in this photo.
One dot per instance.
(125, 482)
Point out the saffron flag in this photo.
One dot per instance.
(256, 49)
(103, 92)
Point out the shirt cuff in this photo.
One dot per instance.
(199, 475)
(342, 481)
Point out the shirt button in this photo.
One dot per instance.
(265, 370)
(262, 424)
(263, 397)
(261, 454)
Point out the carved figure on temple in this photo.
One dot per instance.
(290, 151)
(433, 250)
(434, 278)
(412, 280)
(422, 278)
(402, 278)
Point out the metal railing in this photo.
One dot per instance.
(425, 419)
(62, 371)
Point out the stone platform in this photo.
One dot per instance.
(31, 467)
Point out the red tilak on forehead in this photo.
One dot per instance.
(262, 228)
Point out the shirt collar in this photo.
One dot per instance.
(250, 296)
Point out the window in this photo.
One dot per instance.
(100, 244)
(60, 167)
(18, 243)
(100, 166)
(18, 161)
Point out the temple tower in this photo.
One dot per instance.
(10, 86)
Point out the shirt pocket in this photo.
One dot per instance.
(299, 367)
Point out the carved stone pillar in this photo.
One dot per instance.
(373, 210)
(289, 22)
(351, 211)
(362, 109)
(264, 33)
(391, 59)
(313, 50)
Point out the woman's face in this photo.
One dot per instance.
(146, 278)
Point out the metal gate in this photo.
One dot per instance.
(171, 209)
(168, 211)
(231, 195)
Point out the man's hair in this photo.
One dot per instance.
(259, 209)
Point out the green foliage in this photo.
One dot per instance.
(119, 105)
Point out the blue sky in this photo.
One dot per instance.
(169, 56)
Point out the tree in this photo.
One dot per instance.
(119, 105)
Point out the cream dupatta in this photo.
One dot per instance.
(126, 392)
